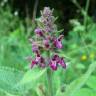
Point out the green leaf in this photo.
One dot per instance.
(80, 66)
(39, 23)
(9, 77)
(32, 75)
(74, 86)
(92, 82)
(85, 92)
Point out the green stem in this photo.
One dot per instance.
(49, 78)
(86, 13)
(83, 11)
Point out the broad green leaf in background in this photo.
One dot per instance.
(85, 92)
(9, 77)
(74, 86)
(32, 75)
(91, 83)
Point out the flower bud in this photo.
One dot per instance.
(46, 43)
(34, 47)
(38, 57)
(39, 32)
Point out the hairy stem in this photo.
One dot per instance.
(49, 78)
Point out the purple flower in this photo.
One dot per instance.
(62, 62)
(34, 47)
(58, 42)
(46, 43)
(53, 64)
(33, 63)
(39, 31)
(38, 57)
(42, 63)
(56, 58)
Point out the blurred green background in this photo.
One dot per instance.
(17, 24)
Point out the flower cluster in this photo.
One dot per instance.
(47, 41)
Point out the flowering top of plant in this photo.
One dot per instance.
(47, 41)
